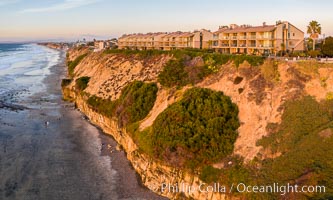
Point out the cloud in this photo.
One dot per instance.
(6, 2)
(66, 5)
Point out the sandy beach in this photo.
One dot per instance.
(49, 150)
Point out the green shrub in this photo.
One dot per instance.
(304, 139)
(134, 103)
(255, 60)
(73, 64)
(141, 53)
(221, 59)
(200, 128)
(176, 73)
(216, 58)
(82, 83)
(300, 118)
(210, 174)
(314, 53)
(104, 106)
(141, 138)
(270, 71)
(173, 74)
(65, 82)
(327, 46)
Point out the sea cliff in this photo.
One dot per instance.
(260, 92)
(153, 173)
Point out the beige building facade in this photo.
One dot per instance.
(233, 39)
(167, 41)
(265, 39)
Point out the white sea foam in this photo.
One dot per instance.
(25, 67)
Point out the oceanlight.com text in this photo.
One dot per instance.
(241, 188)
(282, 189)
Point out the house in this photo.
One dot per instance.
(265, 39)
(166, 41)
(244, 39)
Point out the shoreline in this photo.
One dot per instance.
(61, 159)
(153, 173)
(129, 181)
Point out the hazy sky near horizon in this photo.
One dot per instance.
(74, 19)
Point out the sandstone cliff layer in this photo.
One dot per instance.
(259, 97)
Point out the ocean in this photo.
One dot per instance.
(24, 66)
(48, 149)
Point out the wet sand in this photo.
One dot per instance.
(65, 158)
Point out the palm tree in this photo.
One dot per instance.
(314, 29)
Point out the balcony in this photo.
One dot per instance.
(234, 37)
(215, 44)
(262, 37)
(242, 45)
(242, 37)
(265, 46)
(251, 45)
(252, 37)
(225, 45)
(181, 45)
(226, 38)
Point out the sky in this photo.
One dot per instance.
(30, 20)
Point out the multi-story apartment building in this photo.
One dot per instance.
(265, 39)
(167, 41)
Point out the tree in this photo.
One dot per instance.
(314, 29)
(327, 47)
(210, 43)
(283, 49)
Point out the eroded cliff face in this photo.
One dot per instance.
(259, 99)
(110, 73)
(153, 173)
(117, 71)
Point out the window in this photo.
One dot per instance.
(293, 34)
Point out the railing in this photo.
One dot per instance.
(234, 37)
(251, 37)
(182, 45)
(265, 37)
(225, 38)
(242, 37)
(265, 46)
